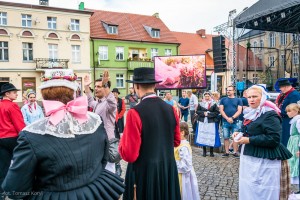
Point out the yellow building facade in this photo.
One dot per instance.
(37, 37)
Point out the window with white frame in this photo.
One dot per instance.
(295, 39)
(53, 51)
(168, 52)
(51, 22)
(261, 44)
(271, 61)
(155, 33)
(283, 38)
(112, 29)
(154, 52)
(76, 54)
(3, 18)
(119, 53)
(272, 40)
(282, 60)
(3, 51)
(254, 45)
(295, 57)
(103, 52)
(27, 51)
(26, 20)
(74, 24)
(120, 80)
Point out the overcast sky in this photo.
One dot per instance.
(178, 15)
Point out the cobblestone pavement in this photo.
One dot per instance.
(217, 176)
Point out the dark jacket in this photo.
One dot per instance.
(264, 134)
(212, 116)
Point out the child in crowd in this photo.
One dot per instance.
(186, 173)
(293, 111)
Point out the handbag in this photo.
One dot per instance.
(113, 153)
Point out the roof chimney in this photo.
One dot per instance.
(201, 32)
(81, 6)
(156, 15)
(44, 2)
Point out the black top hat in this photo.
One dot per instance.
(8, 87)
(283, 82)
(115, 90)
(144, 75)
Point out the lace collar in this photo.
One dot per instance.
(67, 128)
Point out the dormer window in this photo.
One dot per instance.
(110, 27)
(155, 33)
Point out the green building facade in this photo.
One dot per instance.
(120, 58)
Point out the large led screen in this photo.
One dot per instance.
(180, 72)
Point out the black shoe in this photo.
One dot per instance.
(225, 155)
(211, 155)
(236, 155)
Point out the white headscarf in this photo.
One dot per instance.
(264, 106)
(205, 103)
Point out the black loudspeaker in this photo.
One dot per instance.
(219, 53)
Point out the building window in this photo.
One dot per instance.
(295, 39)
(155, 33)
(3, 51)
(3, 18)
(74, 24)
(51, 22)
(295, 57)
(53, 51)
(254, 45)
(168, 52)
(26, 20)
(112, 30)
(271, 61)
(154, 52)
(272, 40)
(119, 53)
(261, 44)
(120, 80)
(27, 51)
(283, 38)
(103, 53)
(76, 53)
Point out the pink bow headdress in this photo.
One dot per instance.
(56, 110)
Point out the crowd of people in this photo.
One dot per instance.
(71, 147)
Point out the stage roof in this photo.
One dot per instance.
(271, 15)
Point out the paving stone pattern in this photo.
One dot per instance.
(217, 177)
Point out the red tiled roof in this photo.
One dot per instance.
(130, 27)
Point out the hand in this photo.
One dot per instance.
(244, 140)
(298, 153)
(205, 114)
(87, 81)
(105, 77)
(230, 120)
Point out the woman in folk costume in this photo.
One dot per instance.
(186, 173)
(293, 111)
(63, 155)
(207, 133)
(31, 111)
(264, 170)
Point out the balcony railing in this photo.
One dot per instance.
(48, 63)
(136, 64)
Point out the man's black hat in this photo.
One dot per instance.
(283, 82)
(7, 87)
(144, 75)
(115, 90)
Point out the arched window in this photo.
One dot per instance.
(27, 34)
(3, 32)
(75, 37)
(52, 35)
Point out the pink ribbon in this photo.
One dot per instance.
(57, 110)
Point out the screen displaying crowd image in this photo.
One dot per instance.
(180, 72)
